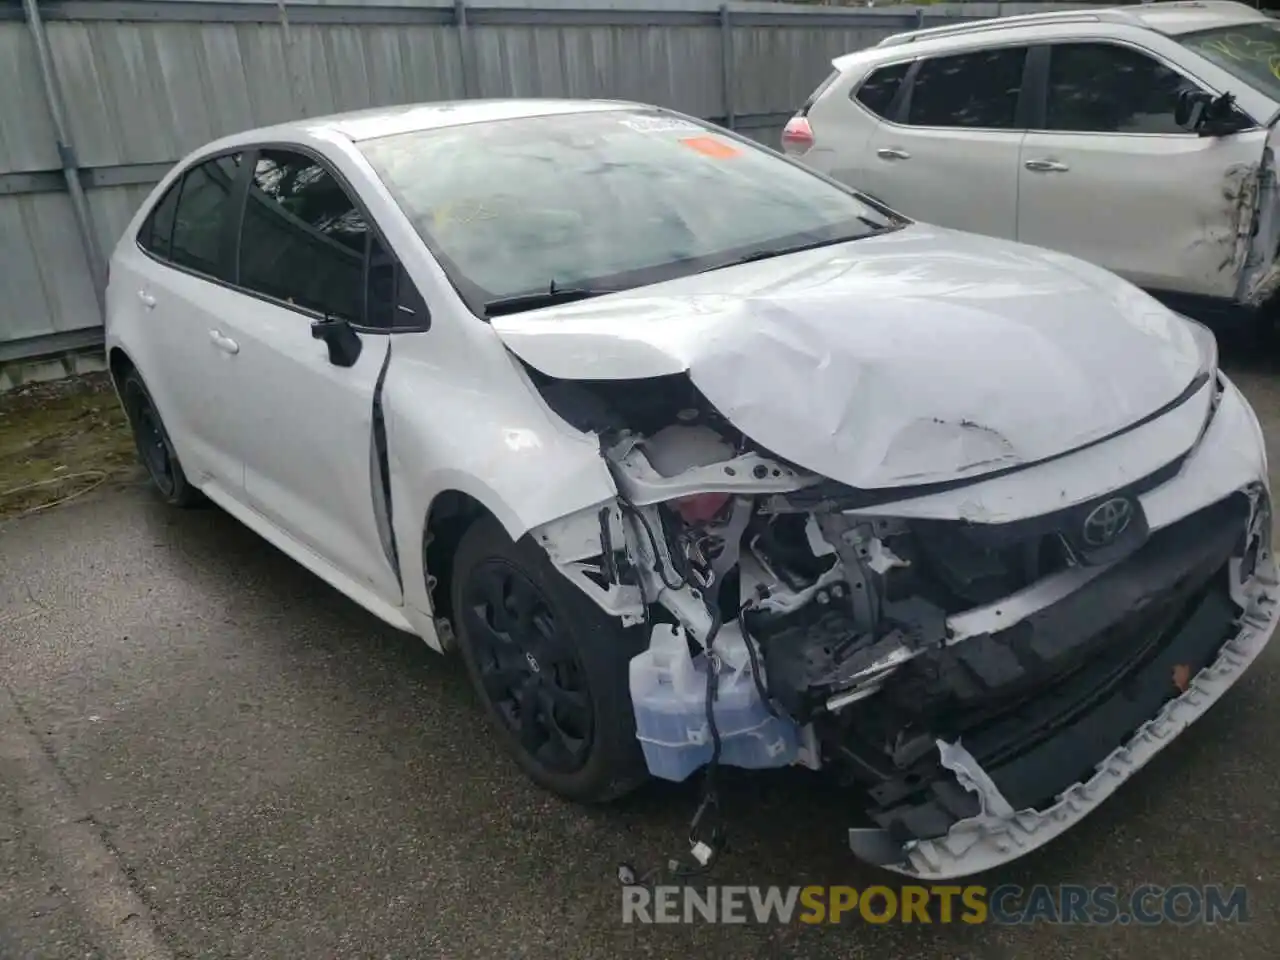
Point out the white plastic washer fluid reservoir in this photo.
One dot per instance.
(669, 696)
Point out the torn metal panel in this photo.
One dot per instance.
(1259, 232)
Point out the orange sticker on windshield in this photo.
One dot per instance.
(711, 147)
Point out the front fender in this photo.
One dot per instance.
(485, 433)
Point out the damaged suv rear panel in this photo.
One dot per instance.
(983, 647)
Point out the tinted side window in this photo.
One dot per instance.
(968, 90)
(204, 203)
(391, 299)
(302, 239)
(157, 230)
(380, 286)
(1104, 88)
(879, 89)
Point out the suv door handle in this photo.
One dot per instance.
(147, 299)
(223, 343)
(1046, 166)
(892, 153)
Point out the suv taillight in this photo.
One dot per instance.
(797, 136)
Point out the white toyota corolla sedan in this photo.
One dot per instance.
(699, 458)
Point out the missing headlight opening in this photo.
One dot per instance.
(872, 646)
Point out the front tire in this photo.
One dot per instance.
(155, 449)
(550, 667)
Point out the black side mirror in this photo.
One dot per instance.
(344, 343)
(1207, 115)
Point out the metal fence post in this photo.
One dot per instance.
(290, 61)
(726, 64)
(464, 46)
(67, 155)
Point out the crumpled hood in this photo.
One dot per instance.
(918, 356)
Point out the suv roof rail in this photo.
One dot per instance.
(1127, 15)
(1108, 14)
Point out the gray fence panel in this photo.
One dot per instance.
(45, 285)
(26, 132)
(146, 81)
(775, 69)
(676, 66)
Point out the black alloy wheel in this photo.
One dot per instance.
(155, 449)
(530, 672)
(550, 666)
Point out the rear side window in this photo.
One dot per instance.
(303, 238)
(1105, 88)
(156, 235)
(204, 203)
(979, 89)
(879, 89)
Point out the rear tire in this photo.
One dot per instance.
(155, 449)
(550, 667)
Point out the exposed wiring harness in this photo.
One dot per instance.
(762, 688)
(658, 567)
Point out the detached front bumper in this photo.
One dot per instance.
(999, 833)
(1002, 784)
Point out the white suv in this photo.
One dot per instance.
(1140, 138)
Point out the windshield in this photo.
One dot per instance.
(1250, 52)
(603, 200)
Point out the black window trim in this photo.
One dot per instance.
(229, 248)
(901, 106)
(1042, 54)
(898, 95)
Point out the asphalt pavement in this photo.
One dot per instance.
(207, 752)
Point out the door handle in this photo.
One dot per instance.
(147, 299)
(223, 343)
(1046, 166)
(892, 153)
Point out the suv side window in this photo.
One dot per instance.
(204, 203)
(1107, 88)
(303, 240)
(877, 92)
(978, 89)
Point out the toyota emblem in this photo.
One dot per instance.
(1106, 522)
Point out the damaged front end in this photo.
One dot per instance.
(981, 685)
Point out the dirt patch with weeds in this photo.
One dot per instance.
(59, 439)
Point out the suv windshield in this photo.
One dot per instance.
(597, 201)
(1249, 51)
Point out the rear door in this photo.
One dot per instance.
(181, 294)
(949, 154)
(1107, 175)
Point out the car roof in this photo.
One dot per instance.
(1171, 18)
(377, 122)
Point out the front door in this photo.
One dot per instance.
(1109, 177)
(308, 431)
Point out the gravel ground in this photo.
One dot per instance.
(206, 752)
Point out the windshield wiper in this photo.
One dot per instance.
(551, 297)
(771, 252)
